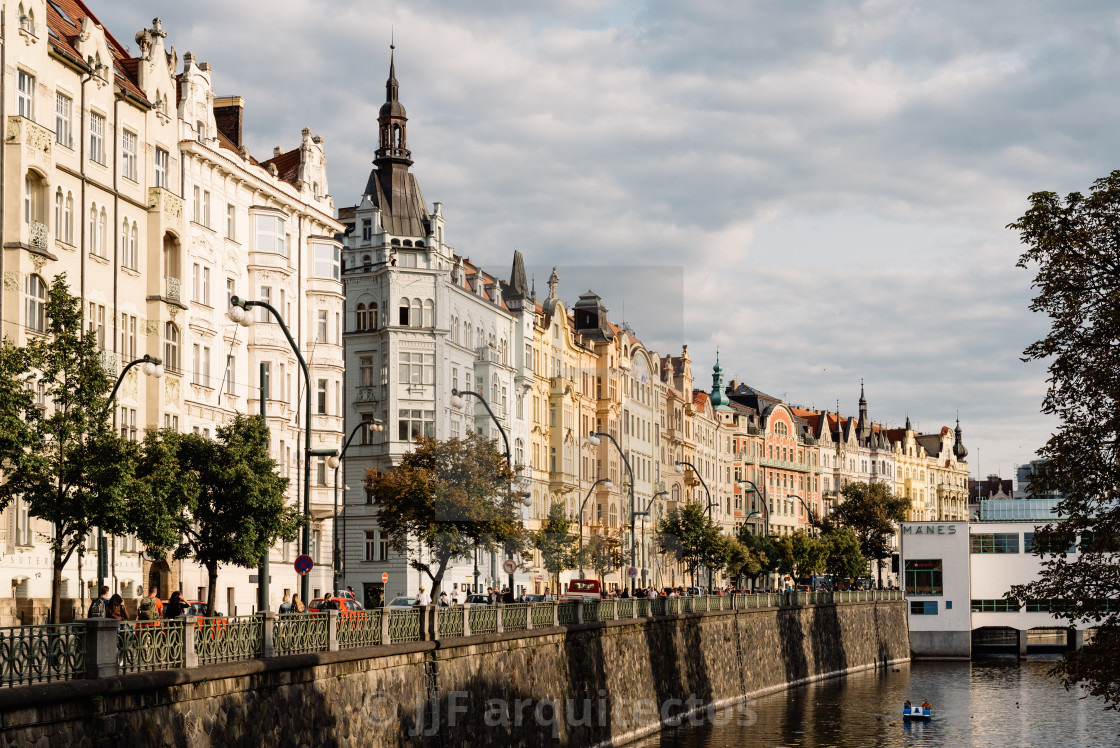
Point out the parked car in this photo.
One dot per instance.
(533, 599)
(478, 599)
(583, 589)
(345, 605)
(401, 602)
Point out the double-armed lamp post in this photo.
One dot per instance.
(606, 482)
(679, 467)
(333, 462)
(593, 439)
(762, 502)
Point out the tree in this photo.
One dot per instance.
(742, 561)
(689, 536)
(842, 557)
(557, 544)
(66, 462)
(447, 498)
(603, 553)
(1073, 247)
(761, 548)
(222, 496)
(873, 514)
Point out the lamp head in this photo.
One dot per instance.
(678, 467)
(332, 462)
(592, 439)
(457, 400)
(608, 483)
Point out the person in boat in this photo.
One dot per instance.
(906, 707)
(927, 705)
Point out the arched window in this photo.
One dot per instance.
(360, 317)
(35, 198)
(373, 321)
(171, 347)
(133, 248)
(36, 297)
(58, 213)
(103, 229)
(676, 492)
(429, 313)
(124, 241)
(367, 263)
(403, 321)
(92, 228)
(494, 390)
(68, 219)
(518, 452)
(416, 315)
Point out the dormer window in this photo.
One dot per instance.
(200, 129)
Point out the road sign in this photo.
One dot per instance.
(303, 565)
(509, 566)
(385, 577)
(632, 572)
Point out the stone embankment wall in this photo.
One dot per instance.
(580, 685)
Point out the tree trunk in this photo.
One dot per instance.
(56, 585)
(212, 590)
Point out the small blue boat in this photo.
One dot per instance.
(916, 714)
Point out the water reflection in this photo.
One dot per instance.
(1001, 702)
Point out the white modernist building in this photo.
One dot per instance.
(955, 575)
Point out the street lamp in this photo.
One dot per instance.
(333, 462)
(813, 522)
(645, 515)
(458, 401)
(593, 439)
(762, 502)
(679, 467)
(609, 484)
(239, 313)
(152, 366)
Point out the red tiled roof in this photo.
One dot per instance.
(66, 33)
(287, 166)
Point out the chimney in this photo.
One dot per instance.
(228, 114)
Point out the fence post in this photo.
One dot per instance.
(190, 655)
(433, 623)
(268, 637)
(466, 619)
(528, 617)
(579, 611)
(101, 648)
(498, 628)
(556, 612)
(332, 630)
(386, 613)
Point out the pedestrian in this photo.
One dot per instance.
(115, 608)
(100, 604)
(548, 596)
(495, 598)
(297, 605)
(507, 595)
(456, 597)
(176, 606)
(423, 598)
(151, 607)
(350, 590)
(286, 604)
(330, 602)
(443, 600)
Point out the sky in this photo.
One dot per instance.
(819, 190)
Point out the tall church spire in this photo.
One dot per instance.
(392, 121)
(864, 423)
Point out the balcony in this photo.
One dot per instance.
(368, 394)
(799, 467)
(488, 354)
(37, 235)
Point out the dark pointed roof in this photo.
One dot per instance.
(516, 292)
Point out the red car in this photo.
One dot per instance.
(345, 605)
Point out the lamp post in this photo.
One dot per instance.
(152, 367)
(593, 439)
(608, 483)
(762, 501)
(239, 313)
(645, 515)
(679, 467)
(457, 401)
(333, 462)
(813, 522)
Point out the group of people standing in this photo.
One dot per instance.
(149, 608)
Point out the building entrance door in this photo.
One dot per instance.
(373, 594)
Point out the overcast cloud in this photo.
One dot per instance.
(825, 183)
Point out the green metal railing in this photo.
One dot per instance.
(299, 633)
(450, 621)
(360, 629)
(591, 610)
(150, 645)
(38, 654)
(542, 615)
(514, 617)
(228, 638)
(483, 619)
(606, 609)
(566, 613)
(404, 625)
(625, 608)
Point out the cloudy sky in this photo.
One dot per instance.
(819, 189)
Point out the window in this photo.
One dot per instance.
(321, 326)
(371, 546)
(270, 235)
(998, 605)
(97, 137)
(1029, 545)
(63, 106)
(418, 368)
(131, 249)
(1038, 606)
(360, 317)
(95, 323)
(231, 221)
(326, 262)
(998, 542)
(205, 299)
(68, 220)
(196, 204)
(231, 368)
(924, 577)
(367, 230)
(365, 371)
(414, 315)
(321, 400)
(128, 155)
(321, 471)
(414, 423)
(429, 313)
(26, 95)
(266, 383)
(266, 296)
(171, 347)
(231, 291)
(403, 320)
(923, 607)
(128, 336)
(201, 373)
(36, 293)
(206, 208)
(128, 423)
(162, 159)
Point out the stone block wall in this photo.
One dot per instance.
(588, 684)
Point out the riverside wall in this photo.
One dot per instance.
(587, 684)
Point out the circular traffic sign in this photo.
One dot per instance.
(632, 572)
(384, 577)
(509, 566)
(304, 565)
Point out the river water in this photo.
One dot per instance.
(997, 702)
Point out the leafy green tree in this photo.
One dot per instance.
(842, 556)
(557, 543)
(444, 500)
(689, 536)
(1073, 249)
(65, 460)
(761, 548)
(873, 513)
(603, 553)
(742, 560)
(222, 496)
